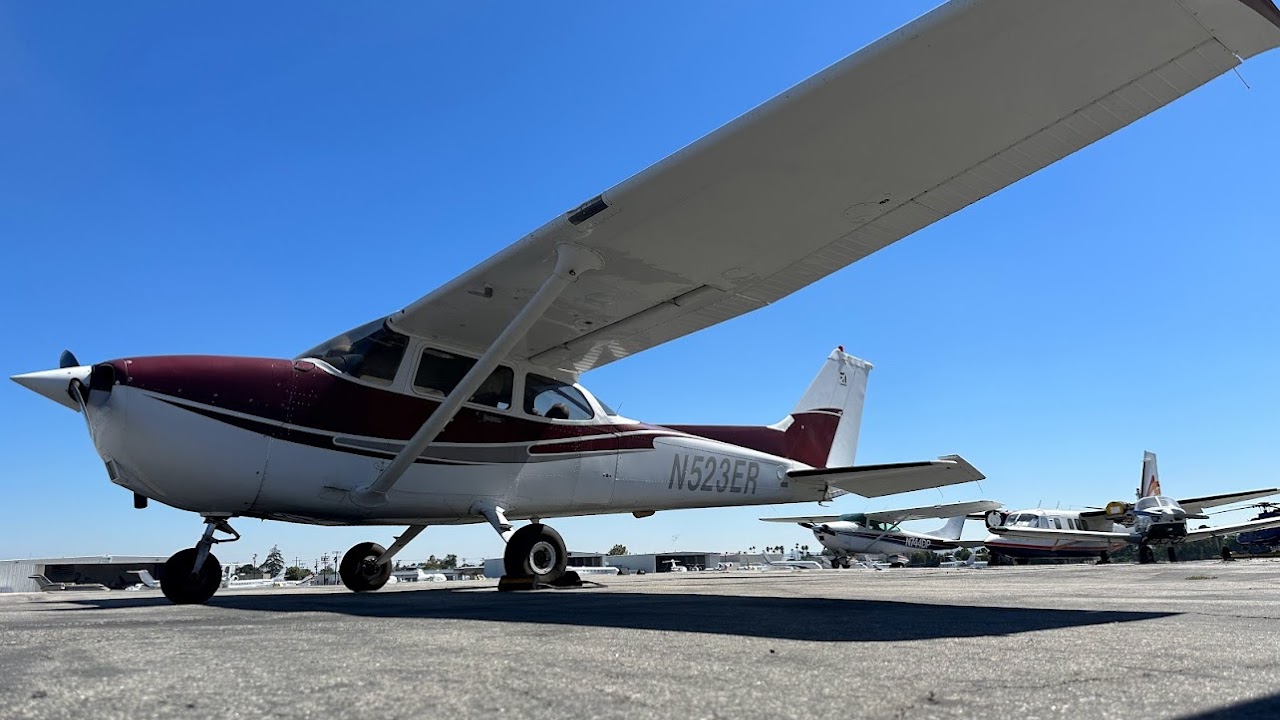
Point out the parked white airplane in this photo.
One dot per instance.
(1005, 547)
(233, 581)
(464, 406)
(47, 585)
(877, 533)
(146, 581)
(1153, 519)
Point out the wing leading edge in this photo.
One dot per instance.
(952, 107)
(1195, 505)
(897, 516)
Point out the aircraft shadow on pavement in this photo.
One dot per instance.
(1263, 708)
(812, 619)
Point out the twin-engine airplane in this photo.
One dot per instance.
(464, 407)
(1153, 520)
(877, 533)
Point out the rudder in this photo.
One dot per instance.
(822, 430)
(1150, 476)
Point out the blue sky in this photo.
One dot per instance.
(253, 179)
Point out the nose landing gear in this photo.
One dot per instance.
(1146, 555)
(360, 570)
(192, 576)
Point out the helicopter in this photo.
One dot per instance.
(1257, 542)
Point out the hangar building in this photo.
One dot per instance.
(662, 562)
(110, 570)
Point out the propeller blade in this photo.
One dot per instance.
(68, 359)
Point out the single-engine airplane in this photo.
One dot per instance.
(464, 406)
(1153, 520)
(877, 533)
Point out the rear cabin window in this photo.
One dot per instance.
(440, 371)
(553, 399)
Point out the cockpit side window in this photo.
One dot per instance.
(372, 353)
(439, 372)
(553, 399)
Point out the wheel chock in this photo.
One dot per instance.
(513, 583)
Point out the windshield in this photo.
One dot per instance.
(371, 352)
(1147, 503)
(553, 399)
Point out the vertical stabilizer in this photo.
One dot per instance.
(1150, 476)
(822, 430)
(950, 531)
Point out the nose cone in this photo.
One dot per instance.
(53, 384)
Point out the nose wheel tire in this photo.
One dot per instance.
(537, 551)
(1146, 555)
(360, 570)
(184, 588)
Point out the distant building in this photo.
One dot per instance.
(110, 570)
(493, 567)
(665, 562)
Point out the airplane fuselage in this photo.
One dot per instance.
(848, 538)
(1024, 547)
(288, 440)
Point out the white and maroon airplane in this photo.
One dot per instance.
(464, 406)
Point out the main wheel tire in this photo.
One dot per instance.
(1104, 558)
(359, 570)
(1172, 554)
(538, 551)
(181, 587)
(1226, 553)
(1146, 555)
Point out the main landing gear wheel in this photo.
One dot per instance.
(1173, 554)
(1104, 558)
(360, 570)
(1146, 555)
(1226, 553)
(184, 587)
(536, 551)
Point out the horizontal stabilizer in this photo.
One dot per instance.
(1205, 533)
(892, 478)
(1195, 505)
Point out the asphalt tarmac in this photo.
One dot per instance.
(1193, 640)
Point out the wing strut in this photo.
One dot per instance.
(571, 261)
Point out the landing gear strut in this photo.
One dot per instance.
(1146, 555)
(192, 576)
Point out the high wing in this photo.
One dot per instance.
(1196, 505)
(933, 511)
(950, 108)
(1038, 533)
(897, 516)
(1262, 524)
(802, 519)
(892, 478)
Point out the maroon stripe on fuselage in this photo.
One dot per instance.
(303, 395)
(808, 438)
(625, 442)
